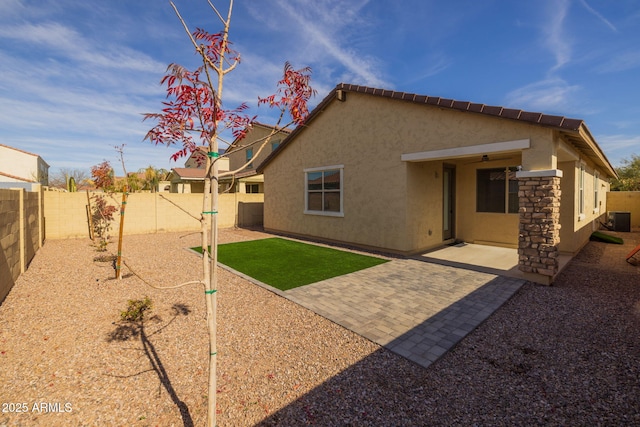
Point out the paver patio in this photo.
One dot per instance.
(414, 308)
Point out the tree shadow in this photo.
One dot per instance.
(131, 330)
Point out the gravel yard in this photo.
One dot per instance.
(562, 355)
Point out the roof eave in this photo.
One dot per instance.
(312, 115)
(585, 133)
(563, 124)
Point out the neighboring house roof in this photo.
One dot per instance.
(25, 152)
(7, 175)
(189, 173)
(574, 130)
(246, 173)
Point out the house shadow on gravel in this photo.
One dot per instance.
(128, 330)
(387, 389)
(360, 396)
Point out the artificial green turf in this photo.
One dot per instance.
(287, 264)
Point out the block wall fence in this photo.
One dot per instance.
(66, 215)
(21, 233)
(626, 201)
(28, 217)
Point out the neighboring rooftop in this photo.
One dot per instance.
(190, 173)
(22, 151)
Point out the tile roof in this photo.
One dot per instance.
(569, 125)
(491, 110)
(190, 173)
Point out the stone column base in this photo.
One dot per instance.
(539, 234)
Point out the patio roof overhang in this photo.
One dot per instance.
(586, 145)
(460, 152)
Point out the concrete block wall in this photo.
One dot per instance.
(21, 233)
(9, 240)
(66, 213)
(625, 201)
(32, 209)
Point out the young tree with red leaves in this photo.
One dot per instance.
(101, 211)
(102, 175)
(195, 119)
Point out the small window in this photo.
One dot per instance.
(249, 156)
(596, 185)
(323, 191)
(274, 145)
(581, 190)
(497, 191)
(252, 188)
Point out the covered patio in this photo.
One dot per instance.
(483, 258)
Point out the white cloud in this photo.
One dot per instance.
(73, 45)
(556, 40)
(621, 62)
(619, 147)
(436, 64)
(10, 8)
(620, 142)
(321, 27)
(547, 96)
(598, 15)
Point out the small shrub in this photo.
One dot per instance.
(102, 217)
(136, 309)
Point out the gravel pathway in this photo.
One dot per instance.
(562, 355)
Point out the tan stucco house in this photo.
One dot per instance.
(22, 167)
(246, 151)
(406, 173)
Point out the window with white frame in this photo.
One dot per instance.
(497, 190)
(596, 185)
(323, 190)
(581, 190)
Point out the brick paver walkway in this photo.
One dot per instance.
(414, 308)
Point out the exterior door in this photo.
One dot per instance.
(448, 202)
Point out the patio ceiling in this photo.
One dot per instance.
(461, 152)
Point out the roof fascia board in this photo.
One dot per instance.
(585, 134)
(450, 153)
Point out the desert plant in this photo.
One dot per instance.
(103, 176)
(629, 175)
(102, 217)
(60, 179)
(136, 309)
(71, 185)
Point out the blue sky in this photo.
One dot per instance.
(76, 75)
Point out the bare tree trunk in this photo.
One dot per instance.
(212, 300)
(122, 209)
(90, 216)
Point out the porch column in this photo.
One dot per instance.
(539, 234)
